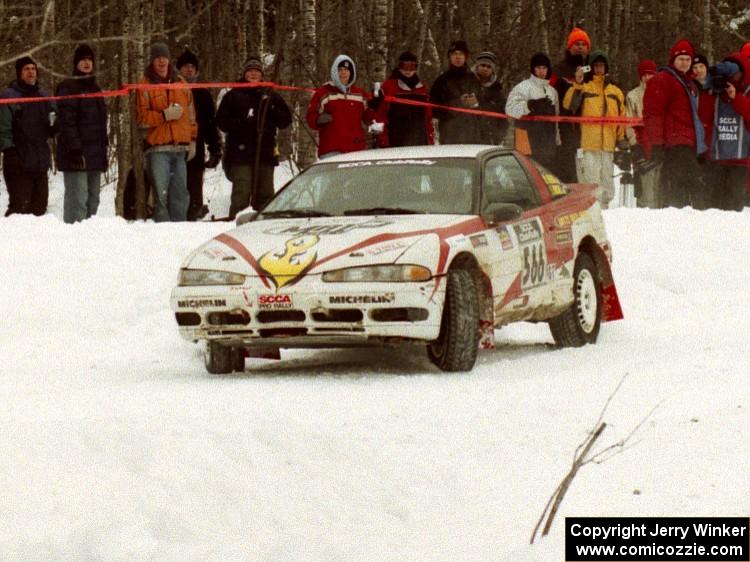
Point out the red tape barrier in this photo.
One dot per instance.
(127, 88)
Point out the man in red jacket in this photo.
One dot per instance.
(725, 112)
(674, 135)
(339, 111)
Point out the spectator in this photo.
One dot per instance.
(745, 50)
(24, 131)
(82, 142)
(405, 125)
(699, 70)
(578, 47)
(646, 174)
(491, 98)
(168, 118)
(250, 117)
(598, 97)
(339, 111)
(534, 96)
(673, 132)
(726, 115)
(208, 136)
(457, 87)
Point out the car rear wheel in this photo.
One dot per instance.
(580, 323)
(223, 359)
(457, 345)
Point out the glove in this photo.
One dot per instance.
(376, 100)
(173, 112)
(541, 106)
(376, 128)
(77, 160)
(191, 151)
(324, 118)
(213, 160)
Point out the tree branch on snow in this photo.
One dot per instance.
(583, 456)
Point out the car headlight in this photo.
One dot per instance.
(190, 277)
(378, 274)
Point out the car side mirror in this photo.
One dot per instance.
(502, 212)
(246, 217)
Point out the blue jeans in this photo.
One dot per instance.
(168, 174)
(81, 195)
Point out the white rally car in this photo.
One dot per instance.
(429, 245)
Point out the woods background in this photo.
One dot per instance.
(304, 35)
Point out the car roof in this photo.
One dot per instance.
(412, 152)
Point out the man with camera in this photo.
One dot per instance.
(725, 112)
(674, 136)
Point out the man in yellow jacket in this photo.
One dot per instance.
(597, 97)
(167, 119)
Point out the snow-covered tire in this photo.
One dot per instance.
(580, 323)
(220, 359)
(457, 345)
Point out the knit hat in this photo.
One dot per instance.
(487, 57)
(578, 34)
(700, 59)
(407, 56)
(252, 63)
(646, 66)
(599, 56)
(158, 50)
(745, 51)
(682, 47)
(20, 63)
(187, 57)
(82, 52)
(459, 45)
(345, 64)
(540, 59)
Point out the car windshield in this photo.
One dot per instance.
(370, 187)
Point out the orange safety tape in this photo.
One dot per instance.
(125, 89)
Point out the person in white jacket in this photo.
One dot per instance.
(534, 97)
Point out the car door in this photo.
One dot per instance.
(520, 287)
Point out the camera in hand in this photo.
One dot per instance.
(720, 74)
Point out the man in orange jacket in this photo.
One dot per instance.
(167, 117)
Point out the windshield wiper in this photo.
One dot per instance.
(295, 213)
(383, 211)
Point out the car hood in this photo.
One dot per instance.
(313, 245)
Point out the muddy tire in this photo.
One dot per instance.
(457, 345)
(220, 359)
(580, 323)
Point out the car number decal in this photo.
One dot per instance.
(533, 253)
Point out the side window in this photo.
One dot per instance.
(506, 181)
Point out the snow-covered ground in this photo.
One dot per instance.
(116, 445)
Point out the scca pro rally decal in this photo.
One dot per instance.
(275, 302)
(531, 242)
(328, 228)
(288, 265)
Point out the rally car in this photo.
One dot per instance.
(436, 246)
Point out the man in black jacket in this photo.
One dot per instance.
(457, 87)
(208, 136)
(24, 130)
(250, 116)
(82, 142)
(491, 98)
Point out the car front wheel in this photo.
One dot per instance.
(457, 345)
(223, 359)
(580, 323)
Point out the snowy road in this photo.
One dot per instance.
(115, 443)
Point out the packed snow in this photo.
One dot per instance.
(117, 445)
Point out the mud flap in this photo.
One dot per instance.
(486, 335)
(612, 310)
(263, 353)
